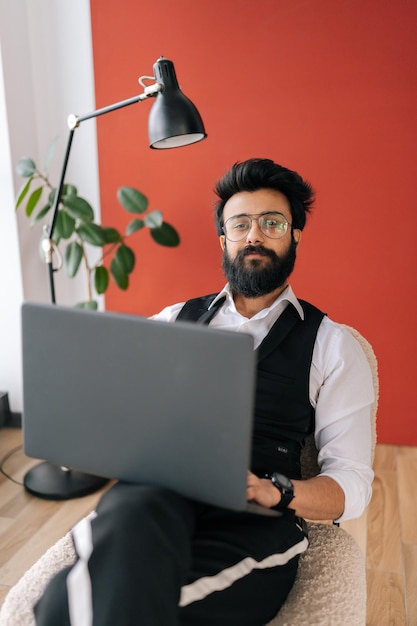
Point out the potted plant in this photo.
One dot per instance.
(76, 228)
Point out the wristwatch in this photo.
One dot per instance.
(285, 487)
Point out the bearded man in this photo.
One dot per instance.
(155, 558)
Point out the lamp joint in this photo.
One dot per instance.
(73, 121)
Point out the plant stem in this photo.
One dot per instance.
(109, 249)
(87, 273)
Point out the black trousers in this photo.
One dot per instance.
(153, 558)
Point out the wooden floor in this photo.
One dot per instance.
(387, 533)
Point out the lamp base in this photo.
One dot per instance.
(52, 482)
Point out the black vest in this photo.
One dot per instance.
(283, 413)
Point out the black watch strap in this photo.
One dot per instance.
(285, 487)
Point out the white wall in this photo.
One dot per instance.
(10, 275)
(46, 73)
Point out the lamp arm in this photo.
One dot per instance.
(74, 121)
(48, 244)
(149, 92)
(60, 187)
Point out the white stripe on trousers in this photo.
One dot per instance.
(79, 588)
(203, 587)
(80, 597)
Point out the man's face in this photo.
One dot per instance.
(258, 264)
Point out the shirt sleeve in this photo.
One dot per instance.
(169, 313)
(343, 392)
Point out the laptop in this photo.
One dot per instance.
(140, 400)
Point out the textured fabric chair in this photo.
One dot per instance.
(330, 588)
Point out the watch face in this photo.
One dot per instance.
(281, 480)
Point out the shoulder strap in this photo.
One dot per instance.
(312, 311)
(197, 309)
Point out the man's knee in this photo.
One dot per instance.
(134, 498)
(128, 509)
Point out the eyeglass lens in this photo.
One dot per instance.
(273, 225)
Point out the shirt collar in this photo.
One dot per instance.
(286, 296)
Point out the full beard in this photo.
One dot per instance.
(256, 278)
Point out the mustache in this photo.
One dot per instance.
(256, 250)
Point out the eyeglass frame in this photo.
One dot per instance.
(256, 216)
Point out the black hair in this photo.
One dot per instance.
(255, 174)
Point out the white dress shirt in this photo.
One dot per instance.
(341, 391)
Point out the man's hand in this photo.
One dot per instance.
(319, 498)
(262, 491)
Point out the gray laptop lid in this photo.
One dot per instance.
(140, 400)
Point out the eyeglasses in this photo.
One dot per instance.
(273, 225)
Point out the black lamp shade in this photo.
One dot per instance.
(173, 119)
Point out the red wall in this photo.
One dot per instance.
(326, 88)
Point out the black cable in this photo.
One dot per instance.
(6, 458)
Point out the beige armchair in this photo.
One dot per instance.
(330, 588)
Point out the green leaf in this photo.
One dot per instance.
(49, 154)
(154, 219)
(132, 200)
(42, 213)
(33, 200)
(23, 191)
(125, 257)
(134, 225)
(88, 304)
(69, 190)
(26, 167)
(64, 225)
(111, 234)
(101, 279)
(73, 257)
(78, 208)
(166, 235)
(120, 276)
(91, 233)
